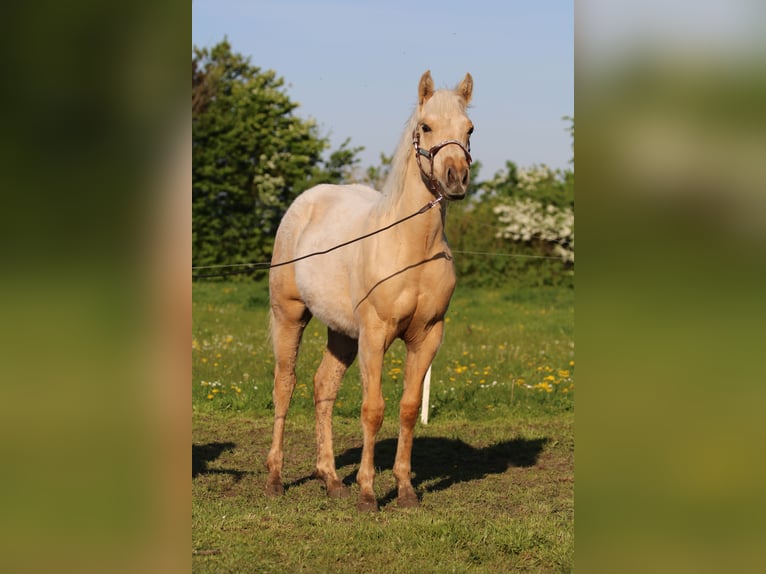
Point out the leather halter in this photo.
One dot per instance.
(430, 154)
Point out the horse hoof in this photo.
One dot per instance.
(409, 500)
(367, 504)
(274, 489)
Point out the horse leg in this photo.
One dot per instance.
(419, 358)
(371, 350)
(287, 324)
(338, 356)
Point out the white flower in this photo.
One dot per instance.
(526, 219)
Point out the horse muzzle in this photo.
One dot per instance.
(454, 183)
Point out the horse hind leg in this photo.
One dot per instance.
(288, 322)
(338, 356)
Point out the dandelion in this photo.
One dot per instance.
(209, 396)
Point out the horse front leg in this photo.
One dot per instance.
(371, 350)
(420, 355)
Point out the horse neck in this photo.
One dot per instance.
(410, 195)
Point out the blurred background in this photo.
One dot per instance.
(670, 203)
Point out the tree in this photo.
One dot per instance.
(251, 157)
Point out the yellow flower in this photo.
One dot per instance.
(209, 396)
(563, 374)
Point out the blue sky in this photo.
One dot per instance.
(354, 66)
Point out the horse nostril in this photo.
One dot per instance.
(465, 178)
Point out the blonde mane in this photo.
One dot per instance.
(395, 179)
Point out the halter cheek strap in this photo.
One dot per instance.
(430, 154)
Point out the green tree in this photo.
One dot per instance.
(251, 157)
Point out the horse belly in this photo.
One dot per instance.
(323, 286)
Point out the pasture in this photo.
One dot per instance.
(494, 467)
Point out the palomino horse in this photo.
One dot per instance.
(393, 284)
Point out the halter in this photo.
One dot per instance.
(430, 154)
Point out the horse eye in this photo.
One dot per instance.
(470, 131)
(426, 128)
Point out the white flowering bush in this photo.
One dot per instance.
(532, 178)
(525, 219)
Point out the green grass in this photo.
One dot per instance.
(502, 351)
(493, 468)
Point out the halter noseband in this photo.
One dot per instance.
(430, 154)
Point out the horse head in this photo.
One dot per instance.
(442, 136)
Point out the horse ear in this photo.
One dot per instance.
(425, 88)
(465, 88)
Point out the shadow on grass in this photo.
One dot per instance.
(440, 462)
(203, 454)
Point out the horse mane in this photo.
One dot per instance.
(395, 179)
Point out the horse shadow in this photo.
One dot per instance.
(204, 454)
(439, 463)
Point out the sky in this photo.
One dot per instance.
(354, 67)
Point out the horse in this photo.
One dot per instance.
(392, 284)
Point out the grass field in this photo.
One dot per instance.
(494, 467)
